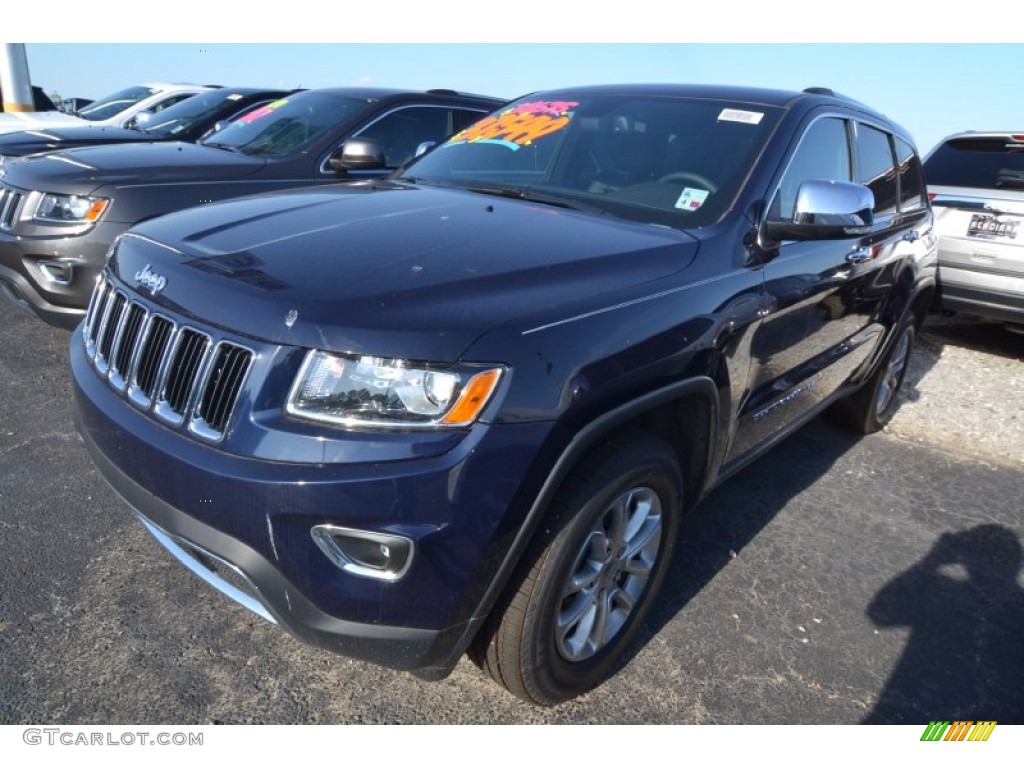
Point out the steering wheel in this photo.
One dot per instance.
(687, 176)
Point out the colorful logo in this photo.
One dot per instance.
(958, 730)
(259, 112)
(520, 125)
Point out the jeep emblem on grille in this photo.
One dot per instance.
(151, 280)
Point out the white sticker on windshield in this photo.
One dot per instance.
(692, 199)
(741, 116)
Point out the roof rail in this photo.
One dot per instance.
(465, 94)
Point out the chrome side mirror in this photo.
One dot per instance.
(358, 155)
(826, 210)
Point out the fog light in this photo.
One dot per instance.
(58, 272)
(365, 553)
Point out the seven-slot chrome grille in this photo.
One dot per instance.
(177, 372)
(9, 202)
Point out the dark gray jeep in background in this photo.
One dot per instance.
(60, 211)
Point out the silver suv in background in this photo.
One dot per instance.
(118, 110)
(976, 182)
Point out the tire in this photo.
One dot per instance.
(577, 601)
(872, 406)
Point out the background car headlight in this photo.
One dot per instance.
(378, 392)
(73, 208)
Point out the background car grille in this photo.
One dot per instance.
(9, 202)
(176, 371)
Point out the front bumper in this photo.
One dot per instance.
(259, 585)
(57, 296)
(243, 524)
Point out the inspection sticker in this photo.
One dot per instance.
(692, 199)
(741, 116)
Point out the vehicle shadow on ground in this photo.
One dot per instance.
(964, 659)
(974, 333)
(731, 516)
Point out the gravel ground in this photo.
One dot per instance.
(964, 391)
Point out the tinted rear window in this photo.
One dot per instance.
(987, 163)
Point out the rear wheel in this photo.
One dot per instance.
(589, 577)
(872, 406)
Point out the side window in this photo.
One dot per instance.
(463, 118)
(170, 102)
(401, 131)
(876, 168)
(912, 187)
(823, 153)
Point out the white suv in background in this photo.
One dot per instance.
(976, 182)
(118, 109)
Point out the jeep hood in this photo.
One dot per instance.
(27, 142)
(387, 269)
(85, 170)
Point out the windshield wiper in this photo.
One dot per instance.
(423, 180)
(219, 145)
(536, 197)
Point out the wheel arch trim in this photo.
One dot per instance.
(581, 442)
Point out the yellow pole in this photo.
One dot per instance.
(15, 83)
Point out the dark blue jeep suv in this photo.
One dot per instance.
(464, 408)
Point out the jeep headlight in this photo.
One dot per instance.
(70, 208)
(361, 391)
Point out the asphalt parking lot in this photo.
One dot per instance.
(837, 580)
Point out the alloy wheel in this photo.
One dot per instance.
(610, 572)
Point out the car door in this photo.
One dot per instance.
(821, 296)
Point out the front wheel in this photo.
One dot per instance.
(590, 576)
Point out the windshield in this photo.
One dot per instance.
(991, 162)
(204, 108)
(665, 160)
(115, 103)
(285, 126)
